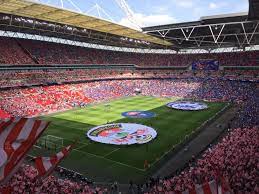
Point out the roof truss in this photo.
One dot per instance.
(217, 35)
(48, 13)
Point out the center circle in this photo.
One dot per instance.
(122, 134)
(138, 114)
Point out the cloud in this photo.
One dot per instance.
(218, 5)
(213, 6)
(161, 9)
(148, 20)
(184, 3)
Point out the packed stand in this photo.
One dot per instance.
(247, 115)
(42, 100)
(39, 77)
(12, 53)
(235, 158)
(47, 99)
(24, 181)
(52, 53)
(29, 51)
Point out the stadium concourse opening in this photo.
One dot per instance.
(90, 106)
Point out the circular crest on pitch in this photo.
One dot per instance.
(122, 134)
(138, 114)
(187, 105)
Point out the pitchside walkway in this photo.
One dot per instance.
(197, 145)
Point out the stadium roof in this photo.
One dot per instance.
(210, 32)
(253, 10)
(228, 30)
(42, 12)
(236, 30)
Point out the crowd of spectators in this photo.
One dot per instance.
(42, 100)
(46, 99)
(40, 77)
(26, 181)
(12, 53)
(247, 115)
(21, 51)
(235, 158)
(37, 77)
(49, 53)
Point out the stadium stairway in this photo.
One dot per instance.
(26, 51)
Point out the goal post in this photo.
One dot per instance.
(50, 142)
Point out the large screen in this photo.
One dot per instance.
(209, 65)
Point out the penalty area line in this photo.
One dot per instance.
(84, 145)
(74, 140)
(122, 164)
(111, 152)
(58, 125)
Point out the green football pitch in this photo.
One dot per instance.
(106, 163)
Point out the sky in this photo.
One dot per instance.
(154, 12)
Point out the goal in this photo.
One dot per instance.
(50, 142)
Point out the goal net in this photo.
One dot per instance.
(50, 142)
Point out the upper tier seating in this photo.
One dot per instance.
(12, 51)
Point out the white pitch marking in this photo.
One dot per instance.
(111, 152)
(110, 160)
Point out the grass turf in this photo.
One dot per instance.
(105, 163)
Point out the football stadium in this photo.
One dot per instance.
(129, 97)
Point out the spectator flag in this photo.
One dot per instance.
(207, 188)
(211, 187)
(224, 187)
(45, 165)
(17, 136)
